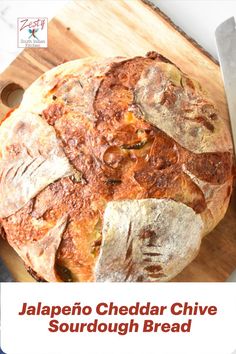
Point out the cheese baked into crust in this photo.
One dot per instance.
(113, 170)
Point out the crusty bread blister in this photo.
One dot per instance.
(113, 170)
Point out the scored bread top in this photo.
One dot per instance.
(124, 129)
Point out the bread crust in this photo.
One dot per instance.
(147, 240)
(120, 126)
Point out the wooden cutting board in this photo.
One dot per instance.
(128, 27)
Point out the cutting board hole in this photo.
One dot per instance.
(11, 95)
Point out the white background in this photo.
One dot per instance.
(199, 18)
(30, 335)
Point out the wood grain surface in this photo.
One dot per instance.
(129, 27)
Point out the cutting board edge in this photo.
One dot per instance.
(180, 30)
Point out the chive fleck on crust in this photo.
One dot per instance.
(113, 170)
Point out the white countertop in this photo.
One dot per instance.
(199, 18)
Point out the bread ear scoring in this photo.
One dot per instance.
(90, 71)
(147, 240)
(32, 158)
(174, 103)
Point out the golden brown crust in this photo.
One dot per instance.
(100, 111)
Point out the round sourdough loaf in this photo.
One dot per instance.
(113, 170)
